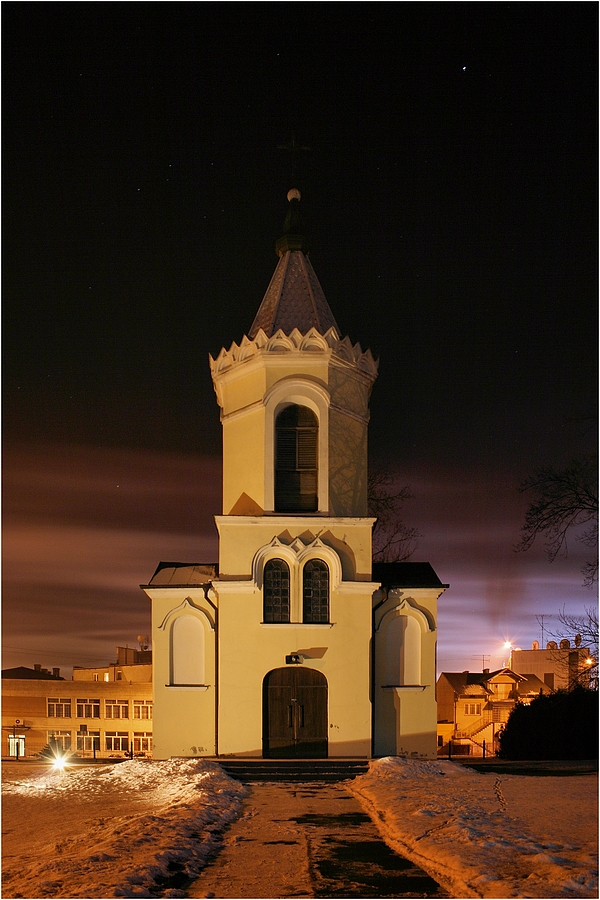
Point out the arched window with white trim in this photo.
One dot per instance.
(276, 591)
(403, 651)
(187, 650)
(296, 460)
(315, 592)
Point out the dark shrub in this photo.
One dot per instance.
(563, 725)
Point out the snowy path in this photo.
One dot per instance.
(147, 829)
(488, 835)
(308, 840)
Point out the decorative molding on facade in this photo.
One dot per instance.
(302, 625)
(295, 341)
(187, 687)
(296, 555)
(234, 587)
(408, 607)
(187, 605)
(311, 521)
(404, 688)
(357, 587)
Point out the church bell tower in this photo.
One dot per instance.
(294, 399)
(295, 537)
(287, 647)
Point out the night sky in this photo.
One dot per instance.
(450, 198)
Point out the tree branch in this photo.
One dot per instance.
(563, 501)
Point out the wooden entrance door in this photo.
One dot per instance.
(295, 713)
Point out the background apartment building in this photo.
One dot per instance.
(101, 712)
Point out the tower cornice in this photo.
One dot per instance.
(343, 351)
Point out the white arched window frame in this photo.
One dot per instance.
(274, 605)
(302, 393)
(316, 591)
(296, 555)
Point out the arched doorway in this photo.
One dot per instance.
(295, 713)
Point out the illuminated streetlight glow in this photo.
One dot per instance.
(59, 763)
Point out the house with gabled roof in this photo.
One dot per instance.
(473, 708)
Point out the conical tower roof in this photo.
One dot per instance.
(294, 298)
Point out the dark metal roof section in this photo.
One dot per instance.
(170, 574)
(406, 575)
(294, 298)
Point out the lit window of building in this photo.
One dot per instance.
(88, 740)
(117, 740)
(88, 709)
(142, 742)
(116, 709)
(60, 739)
(142, 709)
(59, 708)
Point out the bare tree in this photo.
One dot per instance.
(565, 502)
(393, 540)
(581, 630)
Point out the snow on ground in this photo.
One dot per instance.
(127, 830)
(488, 835)
(140, 828)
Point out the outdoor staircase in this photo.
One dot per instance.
(293, 770)
(472, 732)
(496, 717)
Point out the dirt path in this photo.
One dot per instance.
(308, 840)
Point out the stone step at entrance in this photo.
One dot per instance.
(294, 770)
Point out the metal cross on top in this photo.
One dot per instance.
(294, 149)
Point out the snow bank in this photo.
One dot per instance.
(487, 835)
(143, 828)
(136, 829)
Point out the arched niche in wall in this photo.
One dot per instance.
(402, 651)
(187, 650)
(401, 630)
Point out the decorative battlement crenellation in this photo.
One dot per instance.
(295, 341)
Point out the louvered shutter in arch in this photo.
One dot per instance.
(296, 455)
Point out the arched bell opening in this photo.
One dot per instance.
(296, 460)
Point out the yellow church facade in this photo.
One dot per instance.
(294, 644)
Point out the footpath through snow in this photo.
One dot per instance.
(487, 835)
(146, 828)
